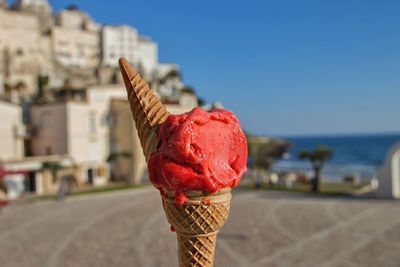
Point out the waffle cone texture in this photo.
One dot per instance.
(197, 223)
(147, 110)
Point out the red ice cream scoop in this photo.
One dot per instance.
(198, 151)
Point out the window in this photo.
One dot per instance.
(46, 120)
(105, 120)
(20, 52)
(101, 171)
(92, 123)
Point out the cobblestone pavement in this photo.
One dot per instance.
(264, 229)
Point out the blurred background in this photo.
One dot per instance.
(314, 84)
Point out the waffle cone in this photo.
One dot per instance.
(197, 223)
(147, 110)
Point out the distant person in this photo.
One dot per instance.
(61, 191)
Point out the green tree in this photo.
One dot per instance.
(188, 90)
(42, 82)
(113, 156)
(263, 152)
(318, 157)
(200, 101)
(69, 180)
(172, 74)
(53, 167)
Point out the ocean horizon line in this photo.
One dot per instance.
(348, 134)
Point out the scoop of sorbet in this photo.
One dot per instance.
(200, 151)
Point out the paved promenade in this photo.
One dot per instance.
(264, 229)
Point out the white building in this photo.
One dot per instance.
(173, 85)
(123, 41)
(117, 42)
(78, 129)
(12, 132)
(147, 55)
(389, 174)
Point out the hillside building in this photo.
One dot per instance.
(147, 55)
(73, 18)
(40, 8)
(117, 42)
(24, 52)
(76, 48)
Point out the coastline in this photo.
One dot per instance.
(332, 171)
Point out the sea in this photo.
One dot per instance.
(360, 155)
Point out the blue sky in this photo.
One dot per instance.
(283, 67)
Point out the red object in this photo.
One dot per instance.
(206, 201)
(3, 203)
(199, 150)
(4, 172)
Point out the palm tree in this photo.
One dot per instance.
(318, 157)
(53, 167)
(68, 182)
(172, 74)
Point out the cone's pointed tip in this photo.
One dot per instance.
(122, 61)
(123, 64)
(126, 69)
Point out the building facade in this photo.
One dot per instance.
(117, 42)
(24, 52)
(20, 4)
(124, 41)
(12, 132)
(170, 87)
(40, 8)
(73, 18)
(27, 175)
(76, 48)
(147, 55)
(79, 129)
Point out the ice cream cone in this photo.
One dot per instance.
(147, 110)
(197, 223)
